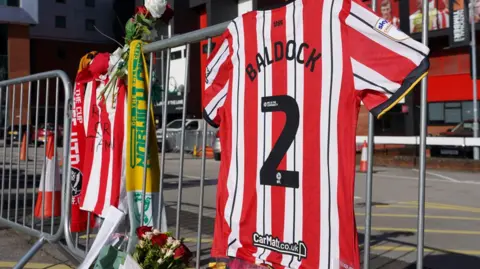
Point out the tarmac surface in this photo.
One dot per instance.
(452, 219)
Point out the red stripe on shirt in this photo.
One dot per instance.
(312, 35)
(91, 136)
(348, 243)
(249, 208)
(376, 57)
(222, 230)
(104, 149)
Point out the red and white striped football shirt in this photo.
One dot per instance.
(285, 87)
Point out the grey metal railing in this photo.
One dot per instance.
(24, 161)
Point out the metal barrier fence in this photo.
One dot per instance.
(78, 244)
(32, 114)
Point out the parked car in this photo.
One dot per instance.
(175, 126)
(217, 150)
(13, 133)
(463, 129)
(44, 132)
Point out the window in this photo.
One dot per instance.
(11, 3)
(435, 112)
(176, 124)
(60, 22)
(60, 1)
(192, 126)
(176, 55)
(90, 25)
(467, 111)
(90, 3)
(453, 112)
(449, 113)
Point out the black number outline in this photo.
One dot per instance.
(269, 175)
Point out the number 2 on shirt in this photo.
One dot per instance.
(269, 175)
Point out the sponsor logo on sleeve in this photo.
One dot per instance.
(387, 29)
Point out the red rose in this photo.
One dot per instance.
(159, 240)
(142, 230)
(183, 253)
(141, 10)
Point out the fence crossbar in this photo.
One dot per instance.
(415, 140)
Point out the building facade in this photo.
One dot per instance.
(55, 35)
(68, 29)
(16, 17)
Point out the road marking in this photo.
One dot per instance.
(414, 230)
(443, 205)
(440, 176)
(32, 265)
(426, 249)
(194, 240)
(428, 179)
(415, 216)
(430, 207)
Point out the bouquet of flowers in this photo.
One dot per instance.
(158, 250)
(140, 27)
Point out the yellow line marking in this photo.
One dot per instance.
(434, 231)
(32, 265)
(443, 205)
(415, 216)
(408, 249)
(85, 236)
(430, 207)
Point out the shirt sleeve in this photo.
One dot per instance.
(217, 81)
(386, 63)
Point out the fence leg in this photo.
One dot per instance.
(368, 193)
(202, 182)
(369, 184)
(423, 146)
(31, 252)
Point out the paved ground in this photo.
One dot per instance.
(452, 229)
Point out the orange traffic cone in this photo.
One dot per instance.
(363, 160)
(50, 185)
(23, 149)
(209, 152)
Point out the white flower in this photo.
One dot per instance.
(156, 7)
(141, 243)
(148, 235)
(114, 59)
(169, 253)
(175, 244)
(170, 240)
(156, 231)
(160, 261)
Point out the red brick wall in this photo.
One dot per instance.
(362, 125)
(18, 66)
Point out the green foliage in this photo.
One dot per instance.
(139, 27)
